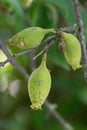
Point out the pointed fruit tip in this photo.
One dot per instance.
(78, 67)
(36, 107)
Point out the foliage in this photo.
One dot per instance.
(68, 87)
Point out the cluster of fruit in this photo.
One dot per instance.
(39, 82)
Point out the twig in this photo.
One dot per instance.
(47, 43)
(2, 64)
(34, 58)
(72, 29)
(32, 62)
(81, 36)
(58, 117)
(51, 42)
(33, 49)
(12, 61)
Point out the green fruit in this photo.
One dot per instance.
(29, 37)
(72, 50)
(26, 3)
(39, 85)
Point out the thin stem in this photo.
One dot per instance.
(34, 58)
(81, 36)
(35, 48)
(45, 49)
(32, 62)
(47, 41)
(50, 42)
(58, 117)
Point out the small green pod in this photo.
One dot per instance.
(29, 37)
(72, 50)
(39, 85)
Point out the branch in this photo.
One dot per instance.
(48, 42)
(81, 36)
(32, 62)
(56, 115)
(12, 61)
(49, 39)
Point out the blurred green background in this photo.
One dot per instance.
(69, 89)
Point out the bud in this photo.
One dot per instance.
(29, 37)
(72, 50)
(39, 85)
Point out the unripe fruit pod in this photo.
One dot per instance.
(39, 85)
(29, 37)
(72, 50)
(26, 3)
